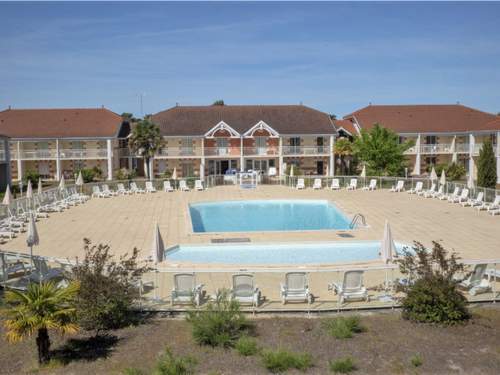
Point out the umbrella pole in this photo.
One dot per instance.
(31, 257)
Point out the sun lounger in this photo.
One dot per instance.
(43, 272)
(353, 184)
(120, 189)
(186, 290)
(198, 185)
(295, 288)
(461, 198)
(97, 193)
(351, 288)
(183, 186)
(476, 283)
(300, 184)
(244, 290)
(474, 202)
(399, 187)
(149, 187)
(450, 197)
(134, 189)
(317, 184)
(371, 186)
(107, 190)
(495, 205)
(335, 184)
(417, 189)
(167, 187)
(429, 192)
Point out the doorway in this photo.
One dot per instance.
(319, 167)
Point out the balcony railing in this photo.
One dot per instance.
(445, 148)
(64, 154)
(83, 154)
(222, 151)
(306, 150)
(261, 151)
(33, 154)
(179, 152)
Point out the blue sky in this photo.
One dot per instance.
(336, 57)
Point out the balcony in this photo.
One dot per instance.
(75, 154)
(222, 151)
(305, 150)
(261, 151)
(2, 155)
(34, 155)
(178, 152)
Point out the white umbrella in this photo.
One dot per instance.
(62, 183)
(29, 190)
(470, 181)
(434, 175)
(416, 167)
(32, 238)
(292, 170)
(363, 172)
(40, 186)
(79, 179)
(158, 247)
(442, 180)
(174, 174)
(7, 198)
(387, 246)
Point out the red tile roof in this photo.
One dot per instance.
(60, 123)
(425, 118)
(285, 119)
(347, 125)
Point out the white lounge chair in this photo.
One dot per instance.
(335, 184)
(97, 193)
(295, 288)
(429, 192)
(474, 202)
(476, 283)
(353, 184)
(495, 205)
(43, 272)
(317, 184)
(452, 196)
(300, 184)
(399, 187)
(149, 187)
(107, 190)
(271, 172)
(351, 288)
(134, 189)
(167, 187)
(461, 198)
(120, 189)
(244, 290)
(183, 186)
(198, 185)
(186, 290)
(372, 185)
(417, 189)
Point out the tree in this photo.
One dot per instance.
(108, 288)
(343, 148)
(145, 141)
(218, 102)
(42, 307)
(486, 166)
(380, 150)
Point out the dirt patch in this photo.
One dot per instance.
(386, 347)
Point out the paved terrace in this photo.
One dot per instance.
(125, 222)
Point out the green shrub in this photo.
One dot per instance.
(486, 166)
(125, 174)
(246, 346)
(342, 366)
(416, 360)
(431, 288)
(168, 364)
(282, 360)
(32, 176)
(343, 327)
(132, 371)
(221, 323)
(88, 175)
(167, 174)
(453, 171)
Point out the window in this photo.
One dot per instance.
(222, 142)
(294, 141)
(431, 160)
(187, 146)
(431, 139)
(187, 170)
(77, 145)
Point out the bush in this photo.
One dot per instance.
(416, 360)
(221, 323)
(342, 366)
(453, 171)
(343, 327)
(88, 175)
(168, 364)
(125, 174)
(246, 346)
(167, 174)
(107, 289)
(282, 360)
(132, 371)
(32, 176)
(431, 288)
(486, 166)
(296, 170)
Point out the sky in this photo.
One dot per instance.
(336, 57)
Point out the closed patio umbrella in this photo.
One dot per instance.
(79, 181)
(442, 180)
(387, 246)
(363, 172)
(40, 188)
(7, 198)
(434, 175)
(292, 169)
(62, 183)
(470, 181)
(29, 193)
(157, 253)
(32, 238)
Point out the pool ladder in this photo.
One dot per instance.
(356, 219)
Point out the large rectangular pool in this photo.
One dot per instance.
(266, 215)
(278, 254)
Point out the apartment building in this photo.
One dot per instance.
(202, 140)
(442, 133)
(57, 142)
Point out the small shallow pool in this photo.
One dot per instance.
(277, 254)
(266, 215)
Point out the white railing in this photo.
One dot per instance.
(263, 151)
(222, 151)
(83, 154)
(438, 148)
(179, 152)
(462, 148)
(33, 154)
(306, 150)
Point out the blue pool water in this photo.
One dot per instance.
(266, 215)
(276, 254)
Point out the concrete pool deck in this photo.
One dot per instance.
(126, 222)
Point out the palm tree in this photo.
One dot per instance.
(42, 307)
(145, 141)
(343, 148)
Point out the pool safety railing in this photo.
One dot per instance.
(355, 221)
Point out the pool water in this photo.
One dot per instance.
(277, 254)
(266, 215)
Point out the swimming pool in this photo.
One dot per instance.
(278, 254)
(266, 215)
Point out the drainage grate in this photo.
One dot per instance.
(345, 235)
(229, 240)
